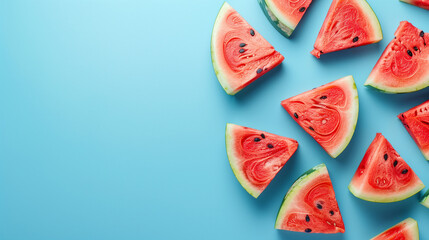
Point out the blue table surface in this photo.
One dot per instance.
(112, 122)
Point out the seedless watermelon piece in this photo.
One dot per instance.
(416, 121)
(349, 23)
(383, 176)
(405, 230)
(310, 205)
(404, 65)
(328, 113)
(256, 156)
(425, 199)
(240, 54)
(284, 15)
(419, 3)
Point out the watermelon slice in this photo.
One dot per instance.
(404, 65)
(349, 23)
(419, 3)
(383, 176)
(405, 230)
(284, 15)
(416, 121)
(328, 113)
(310, 205)
(256, 156)
(240, 55)
(425, 199)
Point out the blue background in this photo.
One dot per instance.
(112, 122)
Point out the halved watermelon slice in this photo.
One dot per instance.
(419, 3)
(256, 156)
(328, 113)
(284, 15)
(425, 199)
(404, 65)
(349, 23)
(416, 121)
(405, 230)
(240, 54)
(310, 205)
(383, 176)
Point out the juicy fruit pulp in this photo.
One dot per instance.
(349, 23)
(284, 15)
(240, 55)
(310, 205)
(416, 121)
(405, 230)
(383, 176)
(419, 3)
(328, 113)
(256, 156)
(425, 199)
(404, 65)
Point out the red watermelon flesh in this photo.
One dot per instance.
(416, 121)
(240, 54)
(405, 230)
(349, 23)
(419, 3)
(256, 156)
(328, 113)
(383, 176)
(404, 65)
(310, 205)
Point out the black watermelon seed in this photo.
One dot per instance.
(323, 97)
(404, 171)
(355, 39)
(385, 157)
(321, 52)
(331, 212)
(422, 34)
(269, 145)
(262, 135)
(259, 70)
(241, 51)
(410, 53)
(252, 32)
(311, 128)
(257, 139)
(307, 218)
(416, 48)
(319, 206)
(395, 163)
(307, 230)
(295, 115)
(302, 9)
(242, 44)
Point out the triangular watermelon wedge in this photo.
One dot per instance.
(383, 176)
(284, 15)
(310, 205)
(328, 113)
(256, 156)
(240, 54)
(416, 121)
(405, 230)
(348, 24)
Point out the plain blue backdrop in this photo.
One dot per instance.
(112, 122)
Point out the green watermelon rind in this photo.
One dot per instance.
(294, 190)
(425, 199)
(229, 140)
(353, 120)
(385, 89)
(220, 76)
(414, 230)
(283, 26)
(386, 198)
